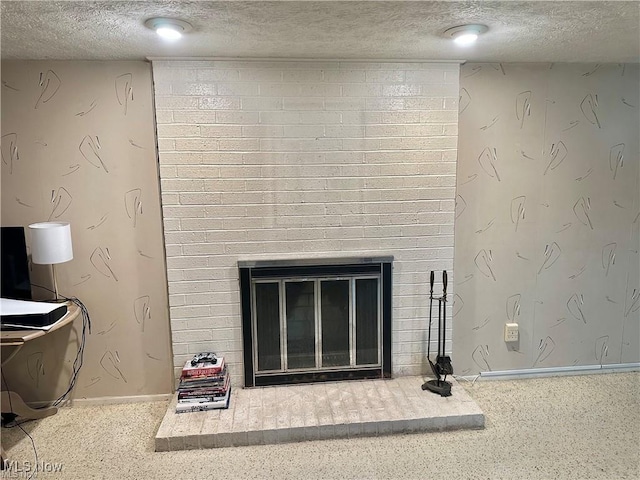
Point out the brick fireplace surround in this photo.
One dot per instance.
(270, 160)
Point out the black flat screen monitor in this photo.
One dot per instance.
(14, 264)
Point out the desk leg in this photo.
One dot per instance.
(12, 402)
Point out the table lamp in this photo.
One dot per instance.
(51, 244)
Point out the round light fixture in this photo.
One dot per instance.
(168, 28)
(465, 35)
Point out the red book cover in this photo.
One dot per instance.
(203, 369)
(202, 392)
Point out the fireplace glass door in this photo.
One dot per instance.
(316, 324)
(315, 320)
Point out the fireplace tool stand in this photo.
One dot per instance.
(442, 367)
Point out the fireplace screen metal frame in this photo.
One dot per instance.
(317, 271)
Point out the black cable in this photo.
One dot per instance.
(33, 444)
(77, 363)
(17, 424)
(35, 451)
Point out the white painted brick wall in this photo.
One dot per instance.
(264, 160)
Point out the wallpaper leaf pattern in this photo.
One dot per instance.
(547, 210)
(74, 154)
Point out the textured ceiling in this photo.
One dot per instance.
(533, 31)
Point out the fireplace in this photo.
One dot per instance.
(316, 319)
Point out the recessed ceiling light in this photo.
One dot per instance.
(465, 34)
(168, 28)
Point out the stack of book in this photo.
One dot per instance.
(204, 384)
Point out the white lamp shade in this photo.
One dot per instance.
(51, 242)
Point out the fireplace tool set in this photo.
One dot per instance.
(442, 366)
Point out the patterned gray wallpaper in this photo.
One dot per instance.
(547, 216)
(79, 145)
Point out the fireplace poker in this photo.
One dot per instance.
(442, 367)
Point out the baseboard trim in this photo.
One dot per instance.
(559, 371)
(302, 60)
(84, 402)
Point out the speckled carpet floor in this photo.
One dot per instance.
(579, 427)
